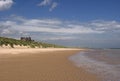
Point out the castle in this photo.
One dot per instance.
(26, 39)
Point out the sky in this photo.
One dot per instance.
(77, 23)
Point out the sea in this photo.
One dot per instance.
(105, 63)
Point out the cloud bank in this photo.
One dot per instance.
(59, 28)
(5, 4)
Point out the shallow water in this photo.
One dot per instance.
(105, 63)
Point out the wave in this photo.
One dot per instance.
(107, 72)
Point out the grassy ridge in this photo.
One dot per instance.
(32, 44)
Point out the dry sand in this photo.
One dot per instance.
(41, 65)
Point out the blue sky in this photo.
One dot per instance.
(83, 23)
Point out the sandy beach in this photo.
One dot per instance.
(49, 64)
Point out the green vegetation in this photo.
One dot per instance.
(11, 42)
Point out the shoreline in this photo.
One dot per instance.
(49, 64)
(33, 50)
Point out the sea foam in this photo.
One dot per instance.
(107, 72)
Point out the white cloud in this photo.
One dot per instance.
(45, 3)
(58, 26)
(49, 26)
(54, 5)
(49, 3)
(42, 22)
(6, 31)
(107, 26)
(5, 4)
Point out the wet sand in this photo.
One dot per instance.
(41, 66)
